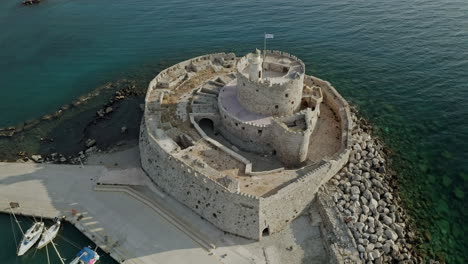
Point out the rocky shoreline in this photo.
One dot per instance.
(365, 196)
(114, 92)
(129, 89)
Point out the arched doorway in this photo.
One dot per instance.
(207, 125)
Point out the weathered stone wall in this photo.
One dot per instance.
(339, 106)
(271, 96)
(232, 212)
(289, 145)
(244, 130)
(281, 208)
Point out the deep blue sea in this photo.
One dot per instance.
(404, 64)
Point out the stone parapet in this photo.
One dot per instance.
(218, 200)
(272, 95)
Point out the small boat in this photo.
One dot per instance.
(86, 256)
(31, 2)
(30, 238)
(49, 234)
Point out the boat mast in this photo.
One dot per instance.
(11, 209)
(60, 257)
(47, 251)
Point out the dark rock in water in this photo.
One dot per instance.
(30, 124)
(109, 109)
(31, 2)
(65, 107)
(47, 117)
(123, 129)
(57, 113)
(100, 113)
(427, 235)
(458, 192)
(37, 158)
(446, 181)
(90, 142)
(91, 150)
(76, 103)
(19, 127)
(7, 132)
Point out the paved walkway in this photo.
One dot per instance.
(142, 224)
(134, 232)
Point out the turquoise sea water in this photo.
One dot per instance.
(403, 63)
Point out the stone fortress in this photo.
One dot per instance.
(244, 142)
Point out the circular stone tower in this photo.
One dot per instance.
(271, 85)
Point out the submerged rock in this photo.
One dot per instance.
(37, 158)
(90, 142)
(458, 192)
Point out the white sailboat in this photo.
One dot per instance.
(30, 238)
(48, 235)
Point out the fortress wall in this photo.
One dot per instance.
(292, 146)
(204, 108)
(245, 145)
(264, 97)
(247, 131)
(338, 104)
(232, 212)
(288, 144)
(281, 208)
(287, 55)
(178, 70)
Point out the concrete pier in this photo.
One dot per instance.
(120, 220)
(128, 216)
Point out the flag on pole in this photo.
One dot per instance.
(268, 36)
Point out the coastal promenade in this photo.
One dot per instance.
(120, 220)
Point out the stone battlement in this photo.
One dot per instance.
(278, 91)
(204, 160)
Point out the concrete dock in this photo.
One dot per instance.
(126, 215)
(118, 220)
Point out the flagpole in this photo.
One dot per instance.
(264, 49)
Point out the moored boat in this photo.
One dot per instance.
(86, 256)
(30, 238)
(48, 235)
